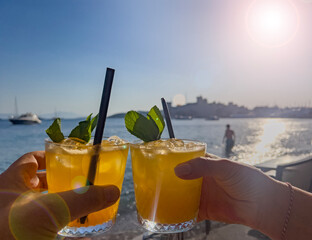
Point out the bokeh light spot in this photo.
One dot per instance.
(36, 216)
(78, 184)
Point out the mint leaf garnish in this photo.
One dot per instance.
(155, 114)
(54, 131)
(147, 128)
(94, 122)
(84, 129)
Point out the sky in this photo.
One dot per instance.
(54, 54)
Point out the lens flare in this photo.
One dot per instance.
(33, 215)
(78, 184)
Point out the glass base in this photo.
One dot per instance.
(166, 228)
(86, 231)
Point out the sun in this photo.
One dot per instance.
(272, 23)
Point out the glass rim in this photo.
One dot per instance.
(141, 143)
(88, 145)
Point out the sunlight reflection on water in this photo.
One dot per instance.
(273, 138)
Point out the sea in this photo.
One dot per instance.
(257, 140)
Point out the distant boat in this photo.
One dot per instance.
(183, 117)
(27, 118)
(213, 118)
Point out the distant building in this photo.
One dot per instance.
(202, 109)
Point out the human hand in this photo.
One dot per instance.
(231, 192)
(26, 213)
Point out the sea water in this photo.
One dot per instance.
(256, 140)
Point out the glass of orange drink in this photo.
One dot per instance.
(164, 203)
(67, 165)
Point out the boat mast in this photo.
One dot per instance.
(16, 110)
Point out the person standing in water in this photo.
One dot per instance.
(229, 138)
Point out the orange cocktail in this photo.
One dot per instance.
(67, 165)
(165, 203)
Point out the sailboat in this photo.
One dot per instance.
(27, 118)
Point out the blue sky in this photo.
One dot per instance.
(53, 54)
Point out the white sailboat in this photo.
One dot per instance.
(27, 118)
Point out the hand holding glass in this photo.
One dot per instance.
(163, 201)
(67, 168)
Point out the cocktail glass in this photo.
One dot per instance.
(67, 167)
(165, 203)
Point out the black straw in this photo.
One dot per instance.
(109, 77)
(100, 128)
(167, 117)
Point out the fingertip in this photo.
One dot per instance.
(111, 193)
(183, 170)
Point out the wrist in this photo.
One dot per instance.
(273, 209)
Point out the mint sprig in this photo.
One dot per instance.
(54, 131)
(82, 131)
(147, 128)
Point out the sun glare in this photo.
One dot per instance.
(272, 23)
(272, 20)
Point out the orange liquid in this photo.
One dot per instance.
(67, 170)
(160, 195)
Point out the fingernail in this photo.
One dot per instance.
(183, 169)
(112, 194)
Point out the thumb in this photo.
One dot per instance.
(70, 205)
(93, 199)
(202, 166)
(48, 213)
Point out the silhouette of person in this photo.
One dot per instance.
(229, 138)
